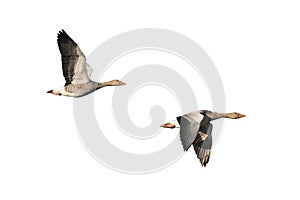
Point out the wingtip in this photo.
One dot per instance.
(62, 31)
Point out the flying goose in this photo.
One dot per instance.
(76, 71)
(195, 129)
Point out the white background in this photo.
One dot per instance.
(255, 46)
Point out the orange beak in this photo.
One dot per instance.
(168, 125)
(241, 115)
(122, 83)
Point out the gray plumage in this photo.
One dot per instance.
(203, 147)
(196, 130)
(76, 71)
(189, 127)
(73, 60)
(194, 127)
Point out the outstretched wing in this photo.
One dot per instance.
(203, 147)
(189, 127)
(73, 60)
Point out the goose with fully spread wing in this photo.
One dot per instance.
(76, 71)
(195, 129)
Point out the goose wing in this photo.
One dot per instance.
(73, 60)
(89, 69)
(203, 147)
(189, 127)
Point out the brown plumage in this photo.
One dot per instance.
(76, 71)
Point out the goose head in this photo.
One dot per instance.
(234, 115)
(116, 83)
